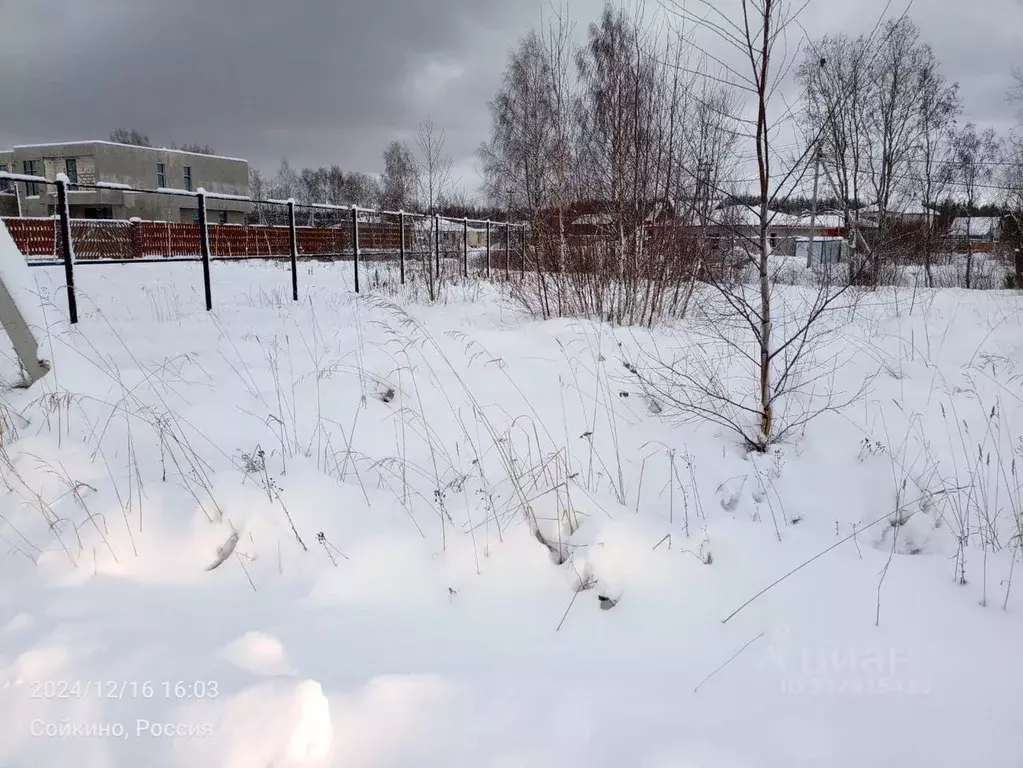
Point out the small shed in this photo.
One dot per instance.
(826, 250)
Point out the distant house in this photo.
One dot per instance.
(902, 212)
(113, 167)
(738, 225)
(594, 219)
(976, 229)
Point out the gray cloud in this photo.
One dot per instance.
(322, 81)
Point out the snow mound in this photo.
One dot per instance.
(260, 653)
(283, 724)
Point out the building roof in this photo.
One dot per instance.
(118, 144)
(748, 216)
(979, 226)
(903, 208)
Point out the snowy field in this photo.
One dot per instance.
(292, 535)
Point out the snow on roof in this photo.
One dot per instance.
(975, 226)
(735, 215)
(594, 219)
(906, 208)
(823, 221)
(748, 216)
(119, 144)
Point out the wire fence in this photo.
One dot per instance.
(433, 247)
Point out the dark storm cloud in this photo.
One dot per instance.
(329, 81)
(318, 80)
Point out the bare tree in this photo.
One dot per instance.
(311, 189)
(835, 93)
(360, 189)
(528, 162)
(883, 110)
(892, 116)
(126, 136)
(434, 164)
(599, 148)
(518, 159)
(938, 106)
(312, 185)
(785, 329)
(400, 180)
(1012, 178)
(334, 185)
(199, 149)
(286, 183)
(974, 156)
(257, 191)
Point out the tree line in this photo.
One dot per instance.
(639, 112)
(417, 177)
(139, 139)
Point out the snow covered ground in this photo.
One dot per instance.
(298, 535)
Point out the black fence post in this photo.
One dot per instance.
(204, 247)
(67, 250)
(401, 245)
(465, 247)
(355, 243)
(436, 242)
(507, 249)
(488, 248)
(294, 249)
(522, 246)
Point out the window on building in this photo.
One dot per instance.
(161, 175)
(222, 217)
(28, 167)
(71, 169)
(188, 178)
(5, 184)
(195, 214)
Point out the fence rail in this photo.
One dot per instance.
(346, 233)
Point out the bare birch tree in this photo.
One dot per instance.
(400, 180)
(774, 335)
(938, 105)
(893, 116)
(434, 164)
(975, 156)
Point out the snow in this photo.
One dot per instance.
(24, 177)
(130, 146)
(17, 276)
(112, 185)
(420, 622)
(226, 196)
(175, 191)
(975, 227)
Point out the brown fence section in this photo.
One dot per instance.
(40, 238)
(160, 238)
(34, 237)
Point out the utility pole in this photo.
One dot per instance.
(813, 208)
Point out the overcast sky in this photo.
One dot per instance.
(332, 81)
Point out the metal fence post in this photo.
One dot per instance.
(522, 245)
(488, 248)
(294, 249)
(204, 247)
(355, 243)
(507, 249)
(465, 247)
(401, 246)
(436, 241)
(67, 250)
